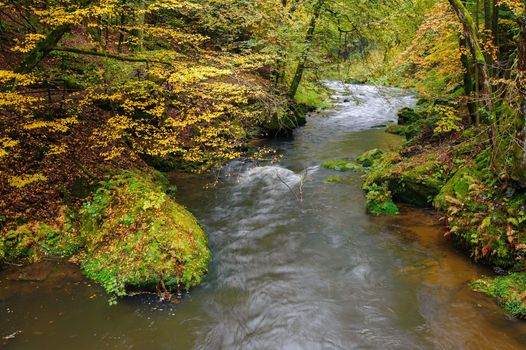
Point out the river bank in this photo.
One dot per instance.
(456, 171)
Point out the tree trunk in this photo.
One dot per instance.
(42, 49)
(470, 32)
(468, 83)
(141, 22)
(487, 14)
(303, 58)
(519, 168)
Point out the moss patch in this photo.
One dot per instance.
(334, 179)
(379, 201)
(456, 187)
(509, 291)
(367, 159)
(341, 165)
(37, 239)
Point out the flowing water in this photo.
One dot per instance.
(297, 264)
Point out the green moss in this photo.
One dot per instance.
(379, 201)
(340, 165)
(509, 291)
(415, 180)
(313, 96)
(387, 207)
(409, 131)
(334, 179)
(368, 158)
(138, 238)
(456, 187)
(37, 239)
(283, 121)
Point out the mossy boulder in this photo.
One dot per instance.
(408, 116)
(415, 180)
(457, 187)
(139, 239)
(408, 131)
(417, 186)
(367, 159)
(509, 291)
(341, 165)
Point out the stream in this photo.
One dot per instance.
(297, 263)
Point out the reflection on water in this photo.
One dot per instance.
(286, 274)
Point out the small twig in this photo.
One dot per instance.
(290, 188)
(302, 182)
(12, 335)
(297, 194)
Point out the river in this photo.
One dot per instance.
(297, 264)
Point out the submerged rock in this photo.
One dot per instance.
(341, 165)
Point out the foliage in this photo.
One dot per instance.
(432, 61)
(92, 86)
(448, 120)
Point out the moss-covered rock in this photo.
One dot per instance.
(38, 239)
(456, 187)
(509, 291)
(138, 238)
(129, 236)
(417, 186)
(367, 159)
(282, 121)
(408, 131)
(341, 165)
(413, 180)
(408, 116)
(379, 201)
